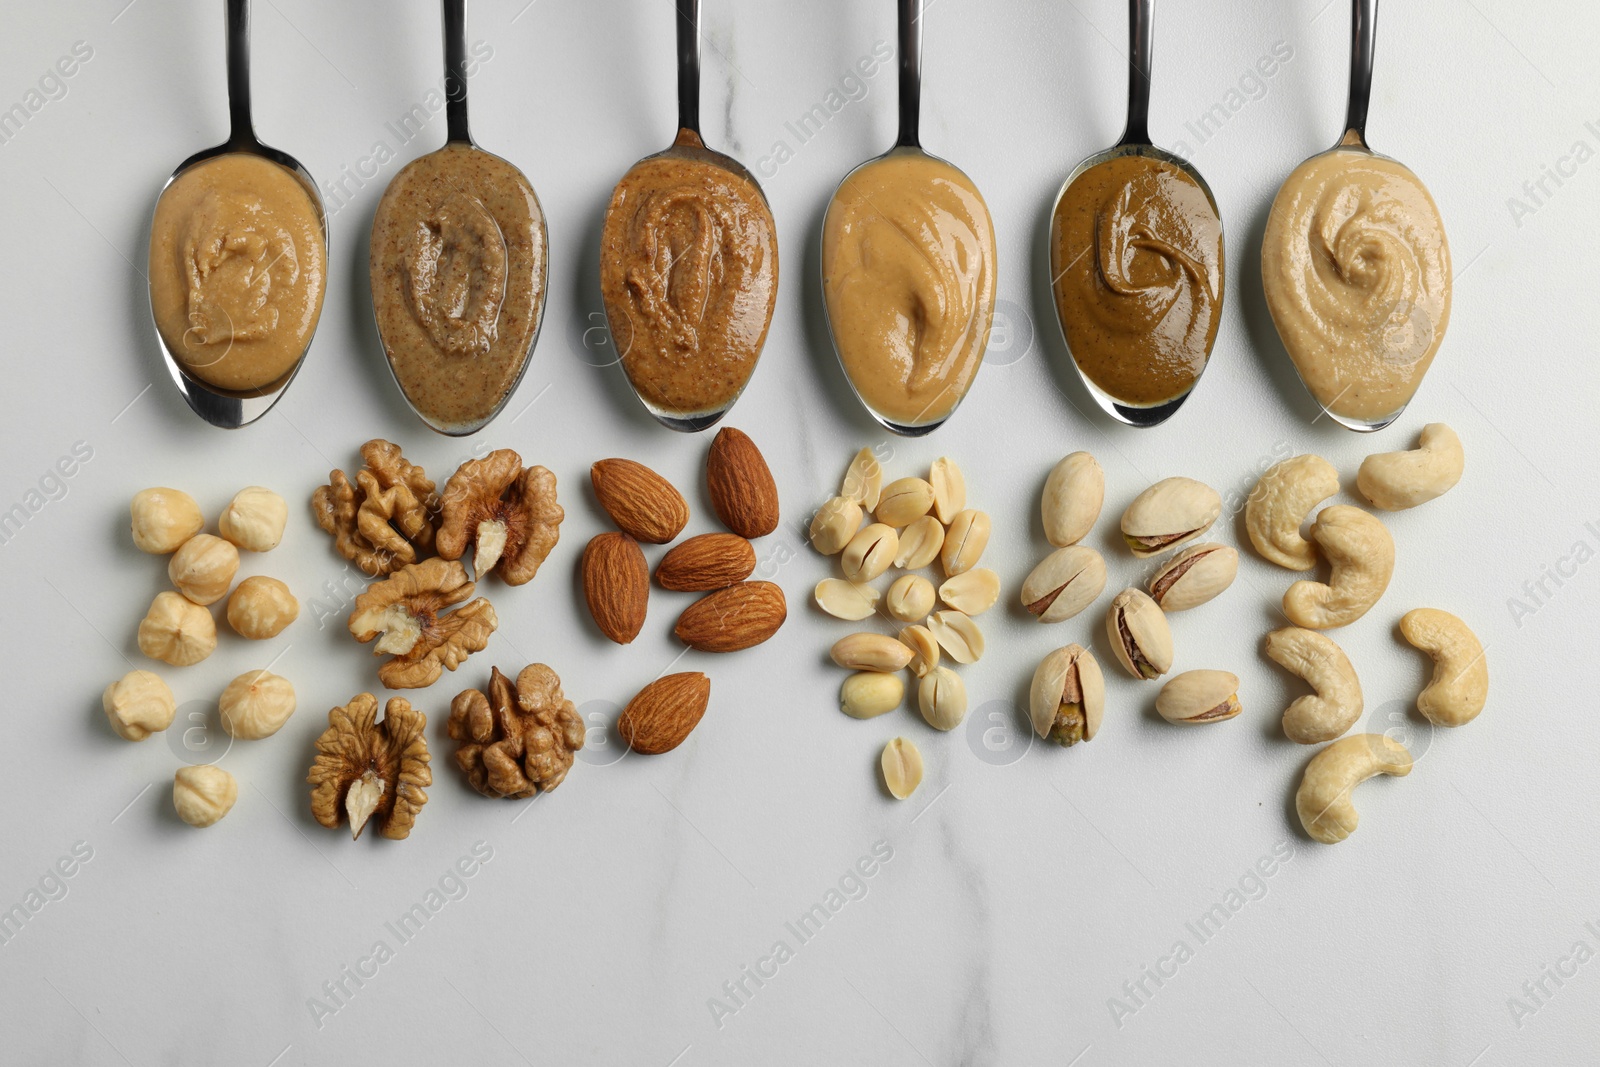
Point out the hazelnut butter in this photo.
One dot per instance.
(238, 268)
(458, 281)
(1137, 262)
(908, 276)
(689, 275)
(1357, 277)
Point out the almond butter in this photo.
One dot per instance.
(643, 504)
(661, 717)
(740, 485)
(616, 583)
(730, 619)
(708, 561)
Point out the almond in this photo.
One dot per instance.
(733, 618)
(740, 484)
(616, 583)
(665, 711)
(709, 561)
(643, 504)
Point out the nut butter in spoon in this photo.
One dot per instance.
(688, 265)
(238, 262)
(458, 268)
(908, 270)
(1136, 262)
(1356, 267)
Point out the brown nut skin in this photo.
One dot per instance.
(665, 712)
(708, 561)
(369, 770)
(506, 511)
(644, 505)
(740, 484)
(516, 740)
(386, 519)
(616, 585)
(408, 608)
(734, 618)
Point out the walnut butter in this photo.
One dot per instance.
(1357, 275)
(1136, 258)
(908, 275)
(458, 282)
(238, 268)
(689, 275)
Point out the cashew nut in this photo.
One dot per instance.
(1460, 684)
(1336, 705)
(1279, 504)
(1395, 481)
(1323, 799)
(1362, 554)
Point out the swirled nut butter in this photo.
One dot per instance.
(1137, 262)
(1357, 276)
(238, 268)
(908, 275)
(458, 281)
(689, 274)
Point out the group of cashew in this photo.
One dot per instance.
(1360, 553)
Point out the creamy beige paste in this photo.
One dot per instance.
(908, 274)
(689, 274)
(238, 268)
(1357, 275)
(458, 281)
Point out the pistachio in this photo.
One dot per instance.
(919, 544)
(901, 764)
(949, 488)
(1073, 494)
(863, 482)
(964, 542)
(1167, 514)
(958, 635)
(973, 592)
(924, 649)
(942, 696)
(870, 652)
(1199, 697)
(1194, 576)
(910, 597)
(834, 524)
(869, 552)
(1068, 698)
(850, 601)
(904, 500)
(1064, 583)
(1139, 635)
(868, 694)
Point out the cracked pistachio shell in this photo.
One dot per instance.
(1068, 699)
(1169, 513)
(834, 524)
(1064, 583)
(1194, 576)
(1073, 495)
(1199, 697)
(1139, 635)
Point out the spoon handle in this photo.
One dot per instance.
(455, 72)
(1141, 34)
(1363, 16)
(240, 131)
(910, 73)
(689, 65)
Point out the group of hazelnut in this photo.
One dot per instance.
(179, 630)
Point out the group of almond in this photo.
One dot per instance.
(733, 614)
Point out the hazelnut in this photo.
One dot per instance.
(177, 631)
(203, 568)
(261, 608)
(203, 793)
(256, 704)
(164, 519)
(138, 704)
(254, 519)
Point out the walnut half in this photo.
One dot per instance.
(508, 513)
(369, 770)
(516, 741)
(408, 610)
(385, 520)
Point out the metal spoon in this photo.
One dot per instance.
(907, 143)
(690, 145)
(231, 409)
(458, 135)
(1135, 142)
